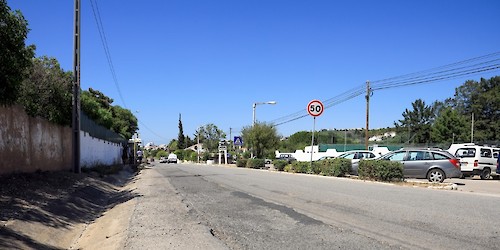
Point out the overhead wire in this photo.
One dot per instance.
(102, 35)
(450, 71)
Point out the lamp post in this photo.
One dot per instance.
(254, 119)
(259, 103)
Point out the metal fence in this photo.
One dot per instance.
(97, 131)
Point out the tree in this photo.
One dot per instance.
(124, 122)
(210, 136)
(481, 99)
(100, 109)
(261, 138)
(418, 121)
(296, 141)
(15, 56)
(181, 140)
(449, 127)
(46, 92)
(173, 145)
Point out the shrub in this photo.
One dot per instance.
(299, 167)
(280, 164)
(335, 167)
(241, 163)
(380, 170)
(180, 154)
(256, 163)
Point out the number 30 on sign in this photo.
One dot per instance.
(315, 108)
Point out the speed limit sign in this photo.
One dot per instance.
(315, 108)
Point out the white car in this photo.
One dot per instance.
(172, 158)
(476, 160)
(163, 159)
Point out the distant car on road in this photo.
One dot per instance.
(163, 159)
(172, 158)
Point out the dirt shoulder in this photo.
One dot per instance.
(58, 210)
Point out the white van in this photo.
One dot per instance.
(476, 159)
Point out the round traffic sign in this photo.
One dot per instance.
(315, 108)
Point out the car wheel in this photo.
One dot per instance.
(485, 174)
(436, 175)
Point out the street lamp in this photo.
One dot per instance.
(254, 106)
(259, 103)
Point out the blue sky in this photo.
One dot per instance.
(211, 60)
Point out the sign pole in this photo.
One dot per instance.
(314, 108)
(312, 140)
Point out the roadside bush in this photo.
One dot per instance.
(380, 170)
(338, 167)
(241, 163)
(256, 163)
(299, 167)
(279, 164)
(191, 155)
(180, 154)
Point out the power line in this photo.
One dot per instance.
(450, 71)
(102, 34)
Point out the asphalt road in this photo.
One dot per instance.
(258, 209)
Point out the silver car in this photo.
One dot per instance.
(434, 165)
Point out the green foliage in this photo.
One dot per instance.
(181, 154)
(15, 56)
(256, 163)
(47, 91)
(380, 170)
(173, 145)
(100, 109)
(298, 167)
(296, 141)
(338, 167)
(241, 163)
(280, 164)
(190, 155)
(181, 139)
(261, 138)
(210, 136)
(418, 121)
(161, 153)
(450, 127)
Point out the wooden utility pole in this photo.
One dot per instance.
(76, 91)
(368, 93)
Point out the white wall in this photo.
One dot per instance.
(300, 155)
(95, 151)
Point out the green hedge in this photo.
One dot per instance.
(241, 163)
(380, 170)
(331, 167)
(256, 163)
(334, 167)
(279, 164)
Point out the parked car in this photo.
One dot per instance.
(287, 157)
(477, 159)
(172, 158)
(163, 159)
(433, 164)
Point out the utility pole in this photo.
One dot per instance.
(76, 91)
(231, 136)
(368, 93)
(472, 129)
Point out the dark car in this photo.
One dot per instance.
(287, 157)
(432, 164)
